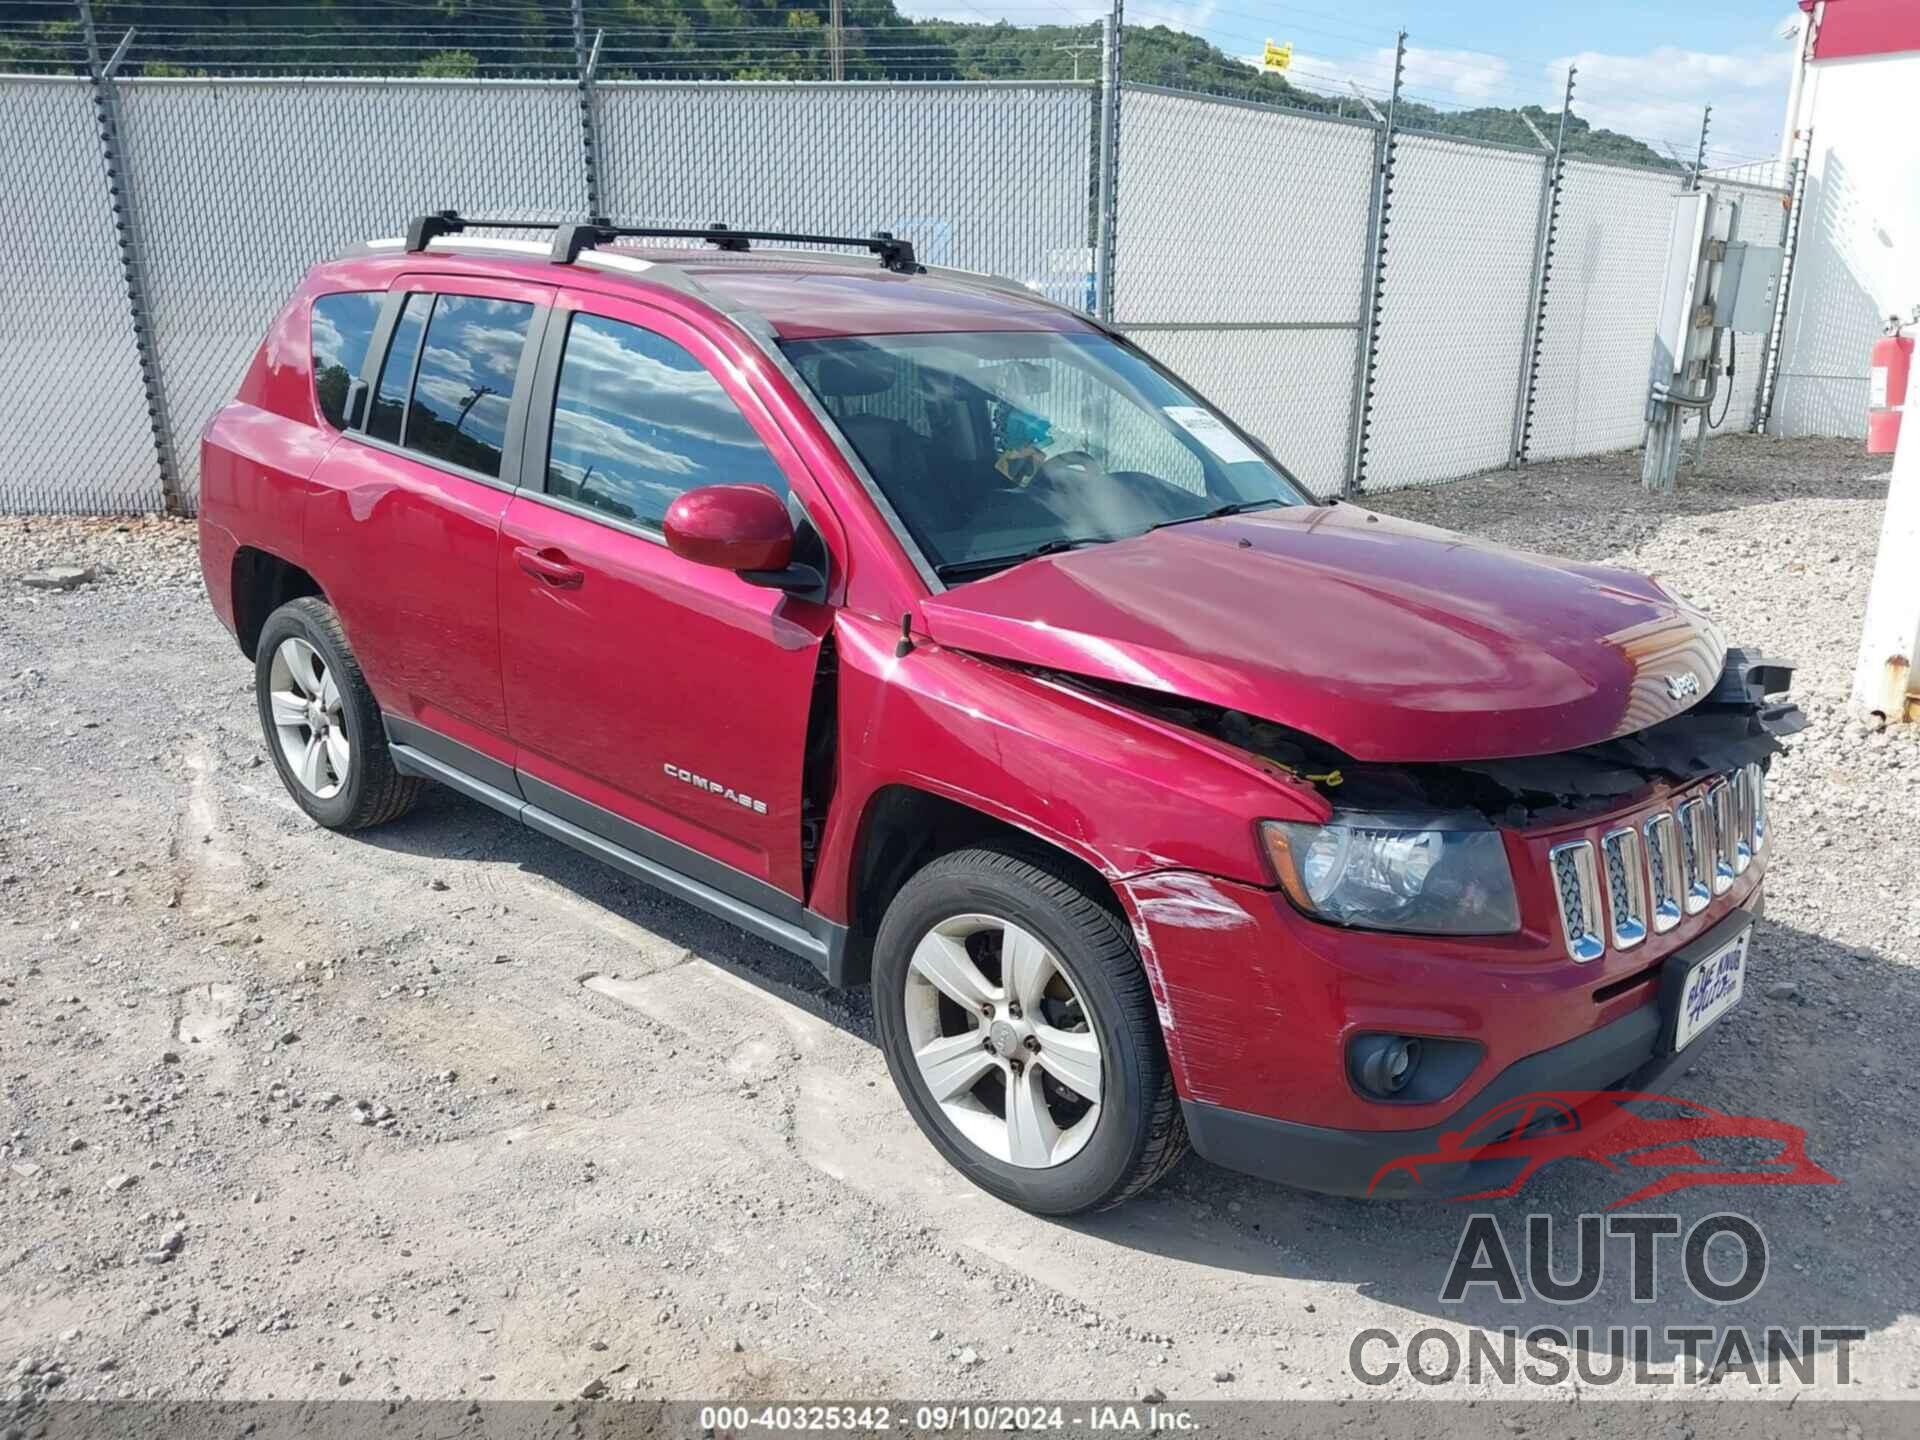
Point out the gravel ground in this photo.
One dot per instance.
(445, 1110)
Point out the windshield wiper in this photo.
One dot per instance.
(958, 569)
(1238, 507)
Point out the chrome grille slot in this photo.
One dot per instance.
(1626, 887)
(1756, 806)
(1663, 868)
(1696, 855)
(1741, 784)
(1720, 808)
(1578, 889)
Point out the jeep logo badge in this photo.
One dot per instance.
(1681, 687)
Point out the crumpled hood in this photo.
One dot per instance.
(1389, 640)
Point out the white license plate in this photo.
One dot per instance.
(1713, 987)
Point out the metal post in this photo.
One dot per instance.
(585, 62)
(1543, 236)
(1112, 28)
(106, 109)
(1777, 331)
(1700, 155)
(1379, 207)
(836, 42)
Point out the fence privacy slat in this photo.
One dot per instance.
(1240, 244)
(74, 436)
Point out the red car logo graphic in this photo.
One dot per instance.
(1628, 1132)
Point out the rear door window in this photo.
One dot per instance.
(396, 375)
(342, 328)
(463, 387)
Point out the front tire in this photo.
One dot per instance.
(321, 722)
(1019, 1028)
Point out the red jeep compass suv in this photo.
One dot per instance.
(937, 634)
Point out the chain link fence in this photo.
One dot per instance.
(1456, 285)
(1240, 247)
(322, 165)
(74, 430)
(1610, 252)
(996, 176)
(1246, 242)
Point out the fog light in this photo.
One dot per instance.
(1410, 1069)
(1386, 1063)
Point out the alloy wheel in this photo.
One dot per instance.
(308, 719)
(1003, 1041)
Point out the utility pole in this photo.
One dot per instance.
(837, 43)
(1077, 50)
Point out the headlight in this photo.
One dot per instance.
(1429, 882)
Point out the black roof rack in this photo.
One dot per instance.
(570, 237)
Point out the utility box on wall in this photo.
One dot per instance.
(1675, 345)
(1749, 284)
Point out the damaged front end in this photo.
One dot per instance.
(1740, 721)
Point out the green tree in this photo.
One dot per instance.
(451, 64)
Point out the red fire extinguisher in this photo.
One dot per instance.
(1887, 387)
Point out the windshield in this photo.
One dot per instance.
(996, 447)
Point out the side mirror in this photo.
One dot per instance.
(742, 528)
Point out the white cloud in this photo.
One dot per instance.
(1656, 96)
(1659, 96)
(1449, 77)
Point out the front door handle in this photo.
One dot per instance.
(551, 566)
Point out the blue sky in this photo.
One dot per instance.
(1645, 68)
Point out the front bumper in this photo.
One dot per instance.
(1625, 1054)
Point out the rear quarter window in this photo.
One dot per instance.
(341, 331)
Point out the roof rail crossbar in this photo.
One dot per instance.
(423, 230)
(570, 237)
(569, 240)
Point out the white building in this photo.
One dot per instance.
(1856, 89)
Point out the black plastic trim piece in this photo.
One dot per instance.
(803, 582)
(409, 761)
(747, 916)
(658, 848)
(423, 230)
(799, 931)
(537, 438)
(476, 764)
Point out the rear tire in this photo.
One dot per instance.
(321, 722)
(1012, 1114)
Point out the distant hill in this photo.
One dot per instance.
(692, 39)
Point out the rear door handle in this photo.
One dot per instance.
(551, 566)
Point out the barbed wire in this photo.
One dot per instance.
(491, 40)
